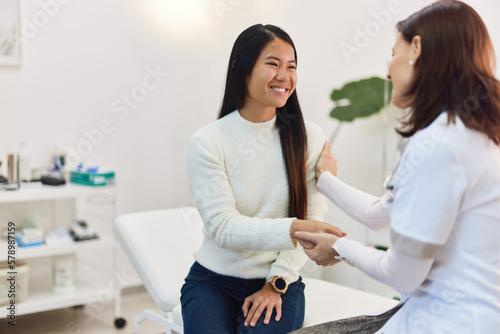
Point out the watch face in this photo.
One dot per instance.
(280, 283)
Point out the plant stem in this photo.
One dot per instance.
(336, 132)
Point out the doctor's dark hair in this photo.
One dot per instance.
(455, 70)
(289, 120)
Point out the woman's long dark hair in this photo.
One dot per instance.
(454, 71)
(289, 120)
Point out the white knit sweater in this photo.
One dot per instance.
(238, 179)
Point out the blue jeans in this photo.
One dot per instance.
(211, 303)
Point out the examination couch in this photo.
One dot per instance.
(160, 244)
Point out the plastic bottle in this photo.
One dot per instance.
(24, 163)
(63, 273)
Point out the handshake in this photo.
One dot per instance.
(317, 239)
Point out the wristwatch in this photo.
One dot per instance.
(279, 284)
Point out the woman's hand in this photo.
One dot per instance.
(322, 252)
(315, 227)
(326, 161)
(266, 299)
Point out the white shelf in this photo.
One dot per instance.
(54, 206)
(42, 298)
(24, 253)
(69, 190)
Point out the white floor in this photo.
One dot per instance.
(91, 319)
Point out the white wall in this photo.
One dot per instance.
(82, 59)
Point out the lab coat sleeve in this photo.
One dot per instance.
(369, 210)
(393, 267)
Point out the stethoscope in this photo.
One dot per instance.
(390, 180)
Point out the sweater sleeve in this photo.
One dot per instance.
(217, 206)
(396, 268)
(371, 211)
(289, 262)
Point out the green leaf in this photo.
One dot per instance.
(364, 98)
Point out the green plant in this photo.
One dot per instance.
(359, 99)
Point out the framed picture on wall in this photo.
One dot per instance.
(10, 33)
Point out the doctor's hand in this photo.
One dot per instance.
(266, 299)
(326, 161)
(313, 226)
(322, 252)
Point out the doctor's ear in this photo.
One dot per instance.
(416, 48)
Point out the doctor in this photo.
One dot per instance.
(445, 207)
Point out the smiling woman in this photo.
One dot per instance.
(247, 267)
(272, 81)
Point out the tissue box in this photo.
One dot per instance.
(29, 236)
(93, 179)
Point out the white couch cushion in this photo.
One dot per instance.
(160, 244)
(177, 315)
(326, 301)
